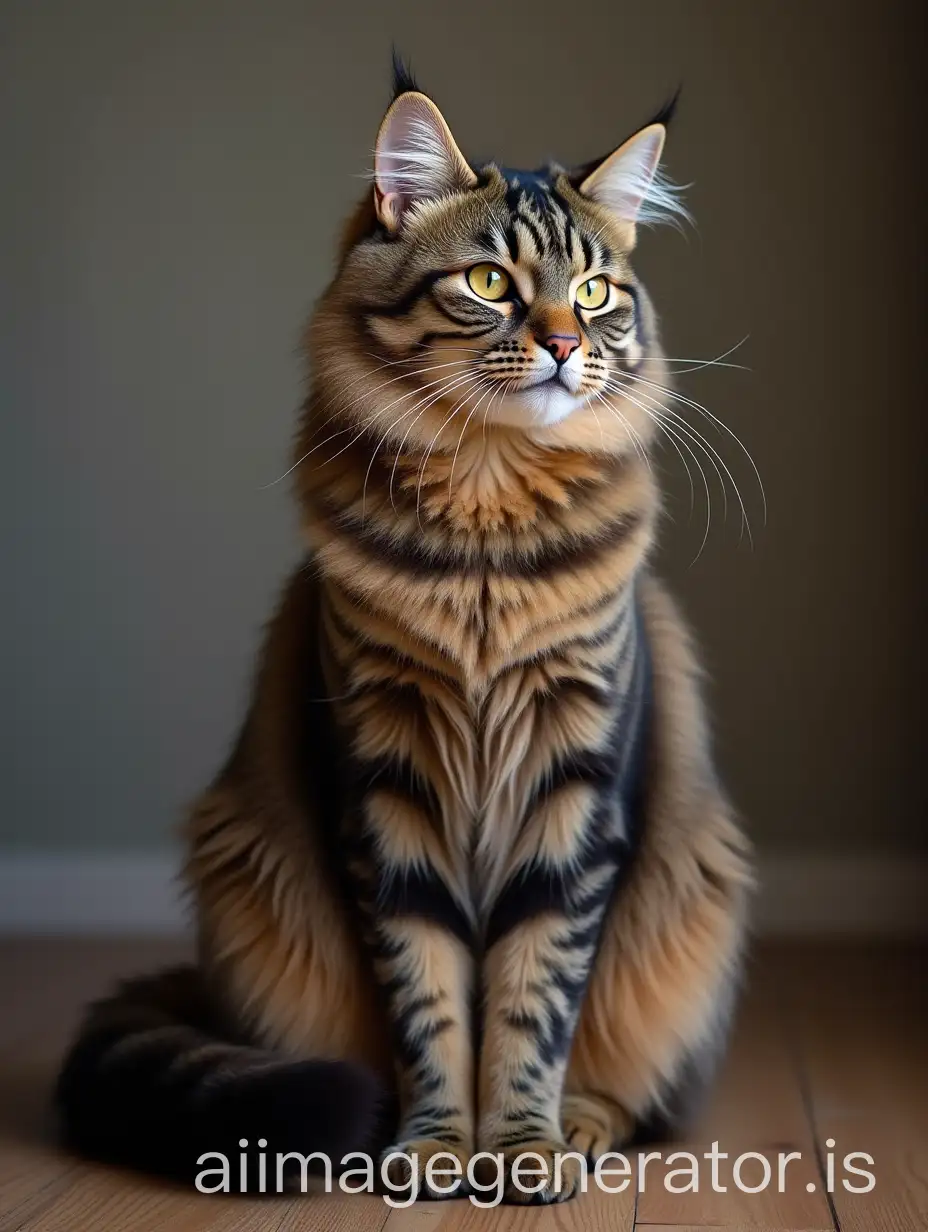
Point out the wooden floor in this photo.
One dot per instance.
(830, 1044)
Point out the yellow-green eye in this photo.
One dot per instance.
(593, 293)
(488, 281)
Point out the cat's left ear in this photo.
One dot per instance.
(628, 182)
(416, 159)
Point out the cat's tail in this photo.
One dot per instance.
(152, 1083)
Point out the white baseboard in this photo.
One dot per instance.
(62, 894)
(137, 894)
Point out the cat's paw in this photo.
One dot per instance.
(428, 1166)
(534, 1173)
(592, 1124)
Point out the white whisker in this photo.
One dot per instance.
(461, 437)
(410, 393)
(632, 434)
(715, 458)
(383, 385)
(719, 423)
(708, 363)
(446, 384)
(467, 377)
(454, 410)
(673, 435)
(602, 439)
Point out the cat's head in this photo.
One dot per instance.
(506, 296)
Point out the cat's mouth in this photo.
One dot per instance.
(561, 378)
(544, 377)
(544, 398)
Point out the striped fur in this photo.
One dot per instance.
(469, 855)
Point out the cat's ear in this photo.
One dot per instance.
(629, 184)
(416, 158)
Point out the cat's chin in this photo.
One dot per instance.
(540, 405)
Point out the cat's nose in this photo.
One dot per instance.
(560, 346)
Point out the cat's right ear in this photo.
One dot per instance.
(416, 159)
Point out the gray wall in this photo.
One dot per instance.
(174, 176)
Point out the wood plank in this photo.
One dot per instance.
(109, 1202)
(329, 1213)
(861, 1023)
(33, 1172)
(796, 1207)
(30, 1180)
(899, 1200)
(593, 1211)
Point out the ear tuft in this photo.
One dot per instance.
(403, 80)
(416, 158)
(669, 109)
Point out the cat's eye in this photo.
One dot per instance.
(593, 293)
(488, 281)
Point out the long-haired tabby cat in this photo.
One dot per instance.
(468, 881)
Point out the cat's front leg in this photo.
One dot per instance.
(541, 943)
(427, 972)
(421, 941)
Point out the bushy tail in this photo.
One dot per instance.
(151, 1083)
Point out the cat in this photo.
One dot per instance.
(468, 881)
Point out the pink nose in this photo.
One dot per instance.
(561, 346)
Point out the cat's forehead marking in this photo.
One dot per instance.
(530, 190)
(544, 226)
